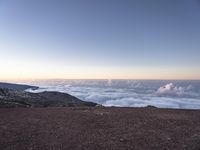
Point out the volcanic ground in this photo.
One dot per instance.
(82, 128)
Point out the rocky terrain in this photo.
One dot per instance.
(99, 128)
(16, 98)
(58, 121)
(13, 95)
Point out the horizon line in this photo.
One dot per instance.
(14, 79)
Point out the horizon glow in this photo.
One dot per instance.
(107, 39)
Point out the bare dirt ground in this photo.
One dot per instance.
(99, 129)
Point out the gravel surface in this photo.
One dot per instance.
(99, 129)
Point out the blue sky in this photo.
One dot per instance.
(129, 39)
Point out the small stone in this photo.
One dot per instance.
(121, 140)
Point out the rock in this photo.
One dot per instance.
(150, 106)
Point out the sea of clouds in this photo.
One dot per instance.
(129, 93)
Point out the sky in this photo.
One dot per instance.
(99, 39)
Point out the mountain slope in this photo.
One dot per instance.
(17, 98)
(16, 86)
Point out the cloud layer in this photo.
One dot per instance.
(132, 93)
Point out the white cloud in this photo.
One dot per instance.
(177, 91)
(132, 94)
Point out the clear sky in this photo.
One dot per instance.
(100, 39)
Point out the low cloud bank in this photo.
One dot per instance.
(136, 94)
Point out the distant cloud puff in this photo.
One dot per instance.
(177, 91)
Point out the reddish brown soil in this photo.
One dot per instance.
(99, 129)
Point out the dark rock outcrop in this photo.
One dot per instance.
(17, 98)
(16, 86)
